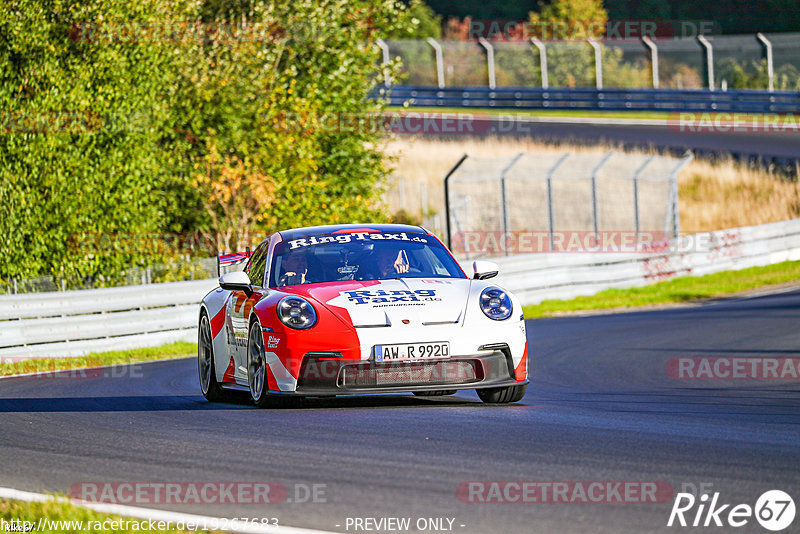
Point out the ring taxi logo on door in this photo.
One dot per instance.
(273, 341)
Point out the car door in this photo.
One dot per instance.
(240, 307)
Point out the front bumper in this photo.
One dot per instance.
(320, 375)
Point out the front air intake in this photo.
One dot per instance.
(408, 374)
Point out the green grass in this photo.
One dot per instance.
(678, 290)
(569, 113)
(62, 510)
(654, 115)
(179, 349)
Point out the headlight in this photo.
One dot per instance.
(296, 312)
(496, 304)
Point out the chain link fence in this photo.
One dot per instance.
(762, 61)
(560, 202)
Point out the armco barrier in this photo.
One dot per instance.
(72, 323)
(537, 277)
(666, 100)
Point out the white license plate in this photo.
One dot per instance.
(412, 351)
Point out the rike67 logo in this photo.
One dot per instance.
(774, 510)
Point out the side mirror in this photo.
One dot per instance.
(484, 269)
(236, 281)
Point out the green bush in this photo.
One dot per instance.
(80, 147)
(169, 120)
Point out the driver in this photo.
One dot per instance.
(391, 262)
(295, 267)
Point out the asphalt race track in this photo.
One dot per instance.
(601, 407)
(777, 145)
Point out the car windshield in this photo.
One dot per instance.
(360, 255)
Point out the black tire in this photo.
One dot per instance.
(257, 373)
(257, 366)
(435, 393)
(211, 389)
(503, 395)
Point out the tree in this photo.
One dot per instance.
(236, 199)
(572, 64)
(80, 155)
(282, 102)
(424, 23)
(583, 18)
(122, 121)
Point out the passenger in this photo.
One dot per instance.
(390, 262)
(295, 267)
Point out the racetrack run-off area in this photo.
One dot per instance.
(605, 404)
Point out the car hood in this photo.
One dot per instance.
(377, 303)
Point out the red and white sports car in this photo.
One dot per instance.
(355, 309)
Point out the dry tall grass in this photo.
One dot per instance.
(712, 196)
(716, 196)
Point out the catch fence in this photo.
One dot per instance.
(547, 200)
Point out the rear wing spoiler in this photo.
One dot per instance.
(234, 258)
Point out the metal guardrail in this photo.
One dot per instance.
(73, 323)
(666, 100)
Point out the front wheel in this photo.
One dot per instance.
(211, 389)
(503, 395)
(257, 366)
(257, 374)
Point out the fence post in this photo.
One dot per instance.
(676, 212)
(447, 198)
(768, 51)
(503, 203)
(489, 60)
(542, 60)
(598, 63)
(636, 195)
(653, 58)
(387, 79)
(550, 219)
(437, 48)
(594, 191)
(709, 53)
